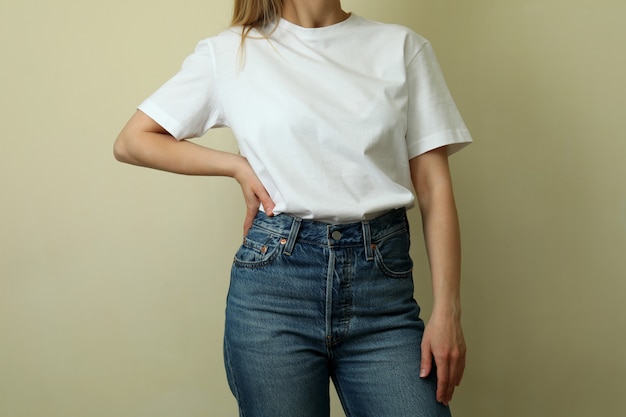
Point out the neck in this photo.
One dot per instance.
(313, 13)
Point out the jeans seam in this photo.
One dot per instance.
(233, 380)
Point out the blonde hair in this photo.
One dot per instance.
(256, 14)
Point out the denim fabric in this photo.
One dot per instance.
(309, 302)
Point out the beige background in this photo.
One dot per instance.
(113, 277)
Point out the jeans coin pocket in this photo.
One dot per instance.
(259, 248)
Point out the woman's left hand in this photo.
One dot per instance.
(443, 340)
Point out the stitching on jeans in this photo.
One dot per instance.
(233, 379)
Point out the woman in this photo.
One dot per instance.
(341, 123)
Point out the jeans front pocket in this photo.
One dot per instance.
(392, 255)
(259, 248)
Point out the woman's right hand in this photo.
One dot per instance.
(145, 143)
(254, 193)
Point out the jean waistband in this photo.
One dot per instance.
(366, 232)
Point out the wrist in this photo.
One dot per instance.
(239, 168)
(447, 309)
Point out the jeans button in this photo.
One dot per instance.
(336, 235)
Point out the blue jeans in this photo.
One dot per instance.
(309, 302)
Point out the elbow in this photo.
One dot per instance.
(120, 149)
(129, 147)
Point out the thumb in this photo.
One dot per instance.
(426, 364)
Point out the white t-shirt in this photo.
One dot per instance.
(327, 117)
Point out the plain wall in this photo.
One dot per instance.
(113, 278)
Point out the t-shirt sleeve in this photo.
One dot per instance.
(185, 105)
(433, 118)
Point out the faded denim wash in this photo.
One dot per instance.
(309, 302)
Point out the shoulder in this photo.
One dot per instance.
(215, 46)
(228, 37)
(392, 34)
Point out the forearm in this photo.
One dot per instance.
(163, 152)
(442, 237)
(145, 143)
(431, 178)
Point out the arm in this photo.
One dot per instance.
(144, 142)
(443, 337)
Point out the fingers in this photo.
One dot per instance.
(254, 193)
(461, 370)
(250, 215)
(445, 386)
(255, 196)
(426, 364)
(266, 202)
(449, 374)
(443, 352)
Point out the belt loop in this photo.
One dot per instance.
(293, 235)
(367, 240)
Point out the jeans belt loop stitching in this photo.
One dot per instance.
(293, 235)
(367, 240)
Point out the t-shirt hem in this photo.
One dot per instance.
(167, 122)
(453, 140)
